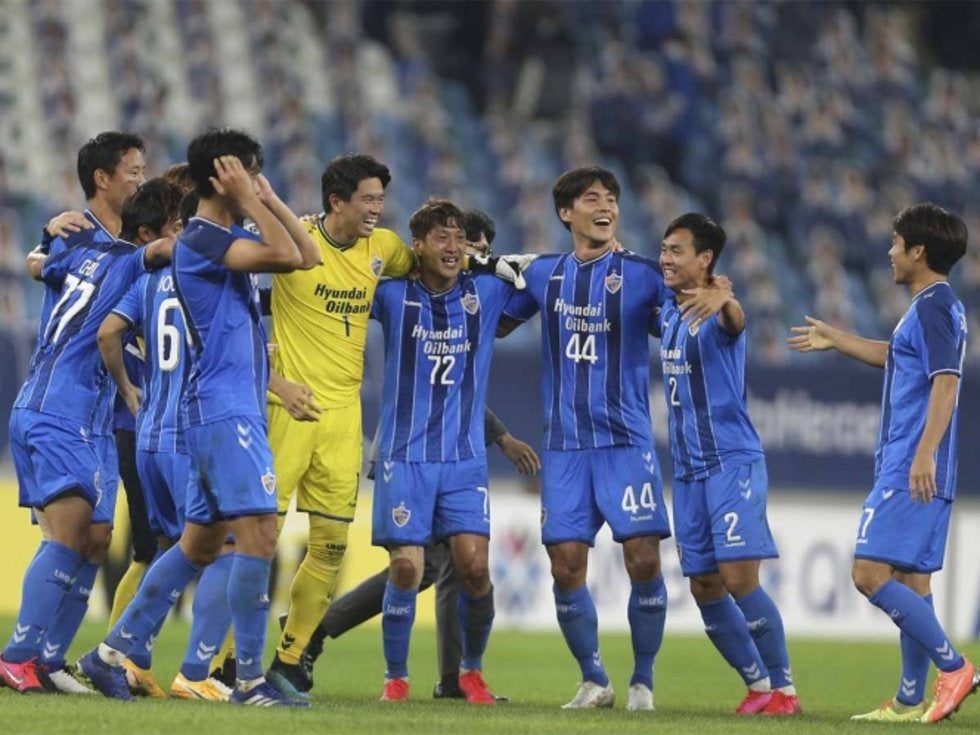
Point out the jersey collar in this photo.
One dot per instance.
(333, 243)
(95, 221)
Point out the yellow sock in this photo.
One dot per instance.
(126, 590)
(313, 585)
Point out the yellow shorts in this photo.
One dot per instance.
(318, 460)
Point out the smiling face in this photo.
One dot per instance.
(123, 181)
(440, 255)
(905, 263)
(358, 216)
(593, 216)
(682, 265)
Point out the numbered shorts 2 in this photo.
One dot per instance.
(415, 502)
(53, 456)
(319, 461)
(722, 519)
(105, 510)
(231, 471)
(907, 534)
(164, 477)
(582, 488)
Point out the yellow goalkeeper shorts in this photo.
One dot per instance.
(318, 460)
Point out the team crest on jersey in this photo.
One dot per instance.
(269, 481)
(613, 282)
(400, 515)
(471, 302)
(376, 265)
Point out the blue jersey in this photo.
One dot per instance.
(595, 381)
(152, 307)
(930, 339)
(229, 365)
(437, 359)
(704, 384)
(66, 376)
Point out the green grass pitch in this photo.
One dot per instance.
(695, 693)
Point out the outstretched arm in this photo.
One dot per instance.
(819, 335)
(110, 338)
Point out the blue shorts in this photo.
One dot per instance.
(908, 535)
(163, 477)
(105, 508)
(52, 456)
(581, 488)
(231, 471)
(415, 502)
(722, 519)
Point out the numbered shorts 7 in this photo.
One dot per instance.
(722, 519)
(53, 456)
(907, 534)
(231, 471)
(582, 489)
(415, 502)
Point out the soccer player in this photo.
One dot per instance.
(432, 471)
(365, 601)
(232, 485)
(319, 324)
(110, 168)
(61, 471)
(901, 535)
(720, 482)
(151, 306)
(598, 461)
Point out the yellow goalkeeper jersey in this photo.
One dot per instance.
(320, 316)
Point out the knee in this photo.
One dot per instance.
(642, 561)
(868, 578)
(97, 544)
(328, 541)
(707, 588)
(568, 574)
(474, 573)
(404, 573)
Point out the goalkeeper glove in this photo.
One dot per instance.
(509, 268)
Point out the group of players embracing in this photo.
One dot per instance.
(158, 278)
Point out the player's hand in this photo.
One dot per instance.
(704, 304)
(298, 401)
(133, 398)
(67, 223)
(264, 191)
(816, 336)
(312, 219)
(270, 348)
(232, 180)
(521, 455)
(722, 282)
(922, 476)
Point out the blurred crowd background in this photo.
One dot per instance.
(803, 127)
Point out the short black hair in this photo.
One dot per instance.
(708, 234)
(434, 213)
(344, 174)
(154, 205)
(215, 143)
(103, 152)
(477, 222)
(943, 235)
(573, 184)
(188, 206)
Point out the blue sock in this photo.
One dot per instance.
(397, 617)
(647, 613)
(766, 627)
(47, 581)
(475, 621)
(248, 600)
(211, 619)
(579, 624)
(725, 625)
(56, 641)
(161, 586)
(915, 667)
(916, 618)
